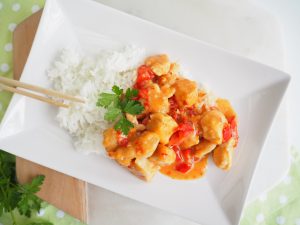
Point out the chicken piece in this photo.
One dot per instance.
(202, 97)
(110, 139)
(124, 155)
(166, 79)
(186, 92)
(143, 168)
(196, 120)
(191, 140)
(203, 148)
(212, 124)
(163, 156)
(222, 155)
(159, 64)
(157, 101)
(168, 91)
(163, 125)
(146, 144)
(134, 121)
(226, 108)
(174, 68)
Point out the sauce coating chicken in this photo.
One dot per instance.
(178, 129)
(186, 92)
(163, 125)
(212, 124)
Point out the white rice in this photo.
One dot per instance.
(87, 76)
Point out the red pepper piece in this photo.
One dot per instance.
(122, 139)
(144, 73)
(227, 132)
(182, 131)
(183, 167)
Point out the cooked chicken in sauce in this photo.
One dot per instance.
(178, 128)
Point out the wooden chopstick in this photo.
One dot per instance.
(31, 95)
(38, 89)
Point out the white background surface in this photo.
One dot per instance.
(237, 26)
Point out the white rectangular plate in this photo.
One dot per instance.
(29, 129)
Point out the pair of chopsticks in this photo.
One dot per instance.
(15, 86)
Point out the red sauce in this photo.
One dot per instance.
(197, 171)
(122, 139)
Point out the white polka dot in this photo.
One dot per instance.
(297, 222)
(60, 214)
(41, 212)
(280, 220)
(8, 47)
(1, 6)
(12, 26)
(260, 217)
(287, 180)
(282, 199)
(35, 8)
(4, 67)
(16, 7)
(262, 197)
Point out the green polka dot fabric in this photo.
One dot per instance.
(48, 213)
(281, 205)
(13, 12)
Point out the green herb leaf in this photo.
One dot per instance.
(118, 104)
(118, 91)
(29, 201)
(131, 93)
(112, 114)
(133, 107)
(17, 196)
(107, 99)
(123, 125)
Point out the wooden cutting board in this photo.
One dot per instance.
(65, 192)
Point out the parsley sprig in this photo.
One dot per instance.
(17, 196)
(118, 104)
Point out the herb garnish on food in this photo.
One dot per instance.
(118, 104)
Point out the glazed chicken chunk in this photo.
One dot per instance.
(212, 124)
(159, 64)
(146, 144)
(203, 148)
(144, 169)
(110, 139)
(191, 140)
(157, 100)
(222, 155)
(163, 125)
(163, 155)
(225, 107)
(186, 92)
(124, 155)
